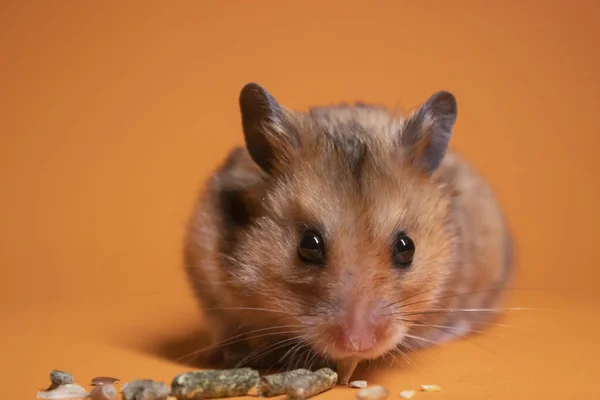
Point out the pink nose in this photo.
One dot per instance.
(358, 338)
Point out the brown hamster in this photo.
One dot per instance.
(342, 233)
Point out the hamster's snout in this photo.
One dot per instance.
(361, 328)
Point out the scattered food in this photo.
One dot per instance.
(212, 384)
(275, 384)
(407, 394)
(104, 380)
(104, 392)
(431, 388)
(68, 391)
(145, 389)
(346, 369)
(358, 384)
(373, 393)
(58, 378)
(306, 386)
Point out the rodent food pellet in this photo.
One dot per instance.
(58, 378)
(358, 384)
(306, 386)
(407, 394)
(275, 384)
(104, 380)
(145, 389)
(212, 384)
(373, 393)
(431, 388)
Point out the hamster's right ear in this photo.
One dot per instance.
(271, 138)
(428, 130)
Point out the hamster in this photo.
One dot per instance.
(344, 233)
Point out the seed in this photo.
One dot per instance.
(58, 378)
(305, 386)
(358, 384)
(407, 394)
(345, 369)
(275, 384)
(104, 392)
(212, 384)
(431, 388)
(145, 389)
(373, 393)
(68, 391)
(104, 380)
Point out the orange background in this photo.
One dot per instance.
(114, 113)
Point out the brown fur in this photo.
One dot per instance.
(351, 179)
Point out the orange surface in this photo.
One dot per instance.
(113, 113)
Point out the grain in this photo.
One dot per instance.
(68, 391)
(358, 384)
(275, 384)
(431, 388)
(145, 389)
(212, 384)
(306, 386)
(407, 394)
(373, 393)
(104, 380)
(104, 392)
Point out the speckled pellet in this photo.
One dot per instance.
(145, 389)
(275, 384)
(305, 386)
(104, 392)
(373, 393)
(213, 384)
(58, 378)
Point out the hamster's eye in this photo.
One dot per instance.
(403, 251)
(311, 248)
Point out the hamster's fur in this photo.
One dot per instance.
(358, 175)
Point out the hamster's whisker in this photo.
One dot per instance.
(459, 310)
(421, 338)
(229, 341)
(442, 327)
(406, 298)
(246, 309)
(268, 349)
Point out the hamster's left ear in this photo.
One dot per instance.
(427, 131)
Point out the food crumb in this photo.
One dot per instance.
(358, 384)
(407, 394)
(431, 388)
(373, 393)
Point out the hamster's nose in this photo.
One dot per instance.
(358, 338)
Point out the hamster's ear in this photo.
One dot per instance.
(427, 131)
(270, 136)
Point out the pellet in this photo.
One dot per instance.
(145, 389)
(275, 384)
(212, 384)
(58, 378)
(373, 393)
(407, 394)
(306, 386)
(358, 384)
